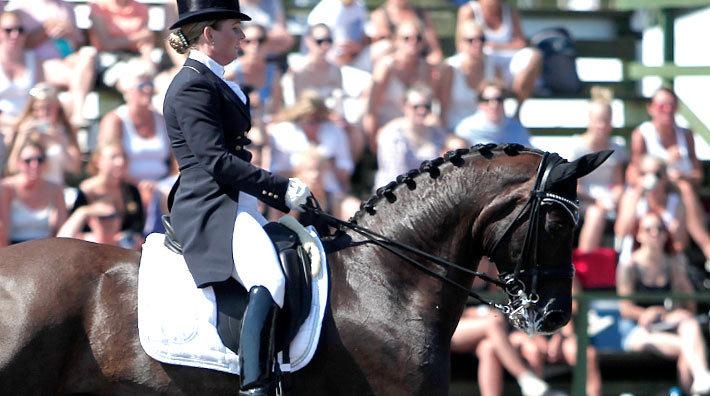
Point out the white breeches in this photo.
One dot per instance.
(255, 259)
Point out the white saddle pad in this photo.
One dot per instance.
(176, 320)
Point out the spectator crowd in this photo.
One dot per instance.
(358, 98)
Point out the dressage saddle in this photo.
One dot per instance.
(232, 297)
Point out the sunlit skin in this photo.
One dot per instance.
(112, 163)
(253, 41)
(662, 109)
(409, 40)
(493, 108)
(417, 109)
(222, 43)
(32, 190)
(11, 41)
(31, 164)
(320, 42)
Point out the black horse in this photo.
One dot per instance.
(68, 308)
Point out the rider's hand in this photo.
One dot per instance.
(297, 194)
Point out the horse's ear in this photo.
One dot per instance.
(582, 166)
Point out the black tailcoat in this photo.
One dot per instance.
(207, 123)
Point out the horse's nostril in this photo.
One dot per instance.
(554, 320)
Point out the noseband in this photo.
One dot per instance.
(511, 282)
(528, 266)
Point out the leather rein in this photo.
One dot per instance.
(511, 282)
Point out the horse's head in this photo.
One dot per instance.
(531, 242)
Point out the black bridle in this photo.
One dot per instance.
(511, 282)
(527, 265)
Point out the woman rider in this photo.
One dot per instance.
(214, 208)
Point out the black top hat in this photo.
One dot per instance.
(190, 11)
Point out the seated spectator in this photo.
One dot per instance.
(655, 267)
(560, 347)
(599, 192)
(308, 123)
(486, 333)
(396, 72)
(453, 142)
(119, 30)
(158, 199)
(258, 77)
(21, 70)
(652, 193)
(663, 138)
(311, 166)
(108, 183)
(406, 141)
(52, 32)
(506, 47)
(138, 125)
(466, 70)
(270, 14)
(315, 72)
(490, 124)
(104, 223)
(387, 18)
(348, 207)
(346, 20)
(44, 119)
(30, 207)
(175, 60)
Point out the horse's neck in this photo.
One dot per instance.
(383, 279)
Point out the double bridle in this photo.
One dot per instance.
(528, 265)
(511, 282)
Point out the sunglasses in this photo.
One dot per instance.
(144, 85)
(658, 228)
(112, 216)
(258, 40)
(418, 38)
(471, 40)
(18, 29)
(424, 106)
(324, 40)
(497, 99)
(39, 159)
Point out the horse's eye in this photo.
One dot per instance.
(556, 227)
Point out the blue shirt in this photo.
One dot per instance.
(477, 129)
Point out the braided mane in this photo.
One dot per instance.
(456, 157)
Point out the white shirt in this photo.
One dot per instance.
(289, 141)
(347, 23)
(217, 69)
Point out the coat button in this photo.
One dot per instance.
(238, 147)
(270, 194)
(276, 196)
(263, 192)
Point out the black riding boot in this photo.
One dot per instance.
(256, 344)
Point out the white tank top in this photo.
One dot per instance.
(27, 223)
(504, 33)
(54, 170)
(147, 157)
(392, 104)
(654, 146)
(464, 99)
(14, 93)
